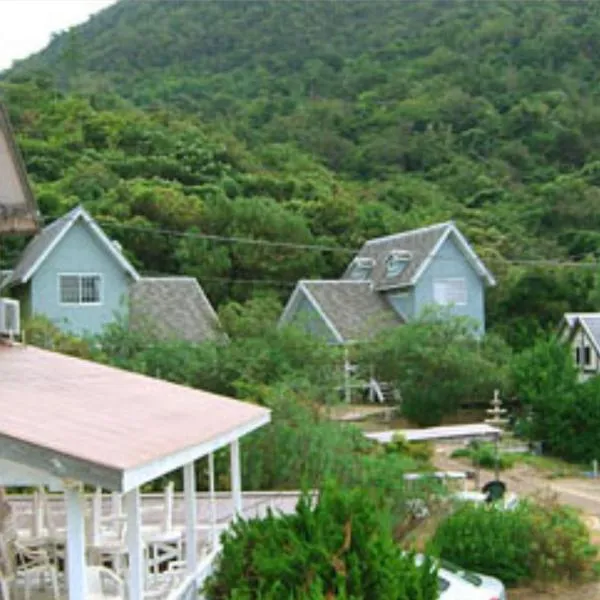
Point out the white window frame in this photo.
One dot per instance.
(81, 276)
(445, 282)
(362, 266)
(396, 262)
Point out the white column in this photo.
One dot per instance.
(116, 505)
(168, 516)
(236, 478)
(212, 501)
(96, 516)
(135, 549)
(189, 492)
(37, 516)
(76, 576)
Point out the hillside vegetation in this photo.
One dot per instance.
(327, 123)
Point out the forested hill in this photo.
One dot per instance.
(327, 122)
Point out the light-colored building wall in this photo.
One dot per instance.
(584, 355)
(79, 252)
(451, 264)
(305, 316)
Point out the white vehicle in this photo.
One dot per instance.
(456, 583)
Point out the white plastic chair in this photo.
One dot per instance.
(36, 564)
(162, 584)
(103, 584)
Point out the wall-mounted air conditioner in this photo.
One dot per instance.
(10, 317)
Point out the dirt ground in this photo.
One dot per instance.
(583, 592)
(525, 480)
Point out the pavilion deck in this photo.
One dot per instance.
(254, 505)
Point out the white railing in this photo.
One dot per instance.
(188, 588)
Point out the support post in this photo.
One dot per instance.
(168, 516)
(37, 517)
(191, 507)
(116, 504)
(134, 545)
(496, 457)
(76, 576)
(236, 478)
(96, 516)
(212, 501)
(347, 383)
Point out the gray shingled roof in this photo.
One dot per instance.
(591, 323)
(37, 247)
(420, 242)
(354, 308)
(571, 318)
(173, 308)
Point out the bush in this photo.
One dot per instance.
(341, 548)
(421, 452)
(541, 541)
(565, 414)
(484, 456)
(302, 447)
(437, 362)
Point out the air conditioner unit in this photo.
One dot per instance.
(10, 317)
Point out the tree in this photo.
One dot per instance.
(437, 362)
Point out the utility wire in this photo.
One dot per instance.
(572, 262)
(554, 262)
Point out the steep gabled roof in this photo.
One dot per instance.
(589, 323)
(18, 208)
(352, 310)
(173, 308)
(423, 245)
(40, 247)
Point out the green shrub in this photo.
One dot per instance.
(484, 456)
(341, 548)
(541, 541)
(462, 453)
(419, 451)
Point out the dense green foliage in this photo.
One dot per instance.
(327, 123)
(485, 456)
(541, 541)
(565, 413)
(437, 363)
(338, 546)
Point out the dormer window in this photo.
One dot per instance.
(396, 262)
(361, 268)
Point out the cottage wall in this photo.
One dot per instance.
(79, 252)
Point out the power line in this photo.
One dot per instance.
(549, 263)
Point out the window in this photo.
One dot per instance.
(361, 268)
(396, 262)
(450, 291)
(80, 289)
(577, 355)
(587, 356)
